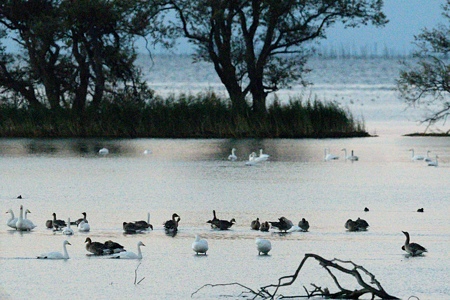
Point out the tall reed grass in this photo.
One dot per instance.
(204, 115)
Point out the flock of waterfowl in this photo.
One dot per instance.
(199, 246)
(254, 159)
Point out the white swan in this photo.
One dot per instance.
(416, 157)
(84, 227)
(254, 160)
(232, 156)
(67, 230)
(200, 245)
(147, 151)
(328, 156)
(351, 156)
(103, 151)
(11, 221)
(263, 156)
(263, 246)
(433, 163)
(28, 222)
(56, 255)
(427, 158)
(21, 223)
(129, 254)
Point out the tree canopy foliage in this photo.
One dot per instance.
(260, 46)
(427, 83)
(73, 54)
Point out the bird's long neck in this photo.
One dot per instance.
(54, 217)
(21, 213)
(68, 223)
(407, 240)
(66, 255)
(412, 152)
(148, 218)
(139, 252)
(26, 212)
(12, 214)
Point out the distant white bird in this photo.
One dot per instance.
(351, 156)
(416, 157)
(103, 151)
(427, 158)
(147, 151)
(433, 163)
(56, 255)
(129, 254)
(28, 222)
(263, 246)
(328, 156)
(67, 230)
(232, 156)
(21, 224)
(84, 227)
(253, 159)
(263, 156)
(11, 221)
(200, 245)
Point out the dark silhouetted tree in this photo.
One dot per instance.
(260, 46)
(427, 82)
(73, 54)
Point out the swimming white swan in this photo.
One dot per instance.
(67, 230)
(84, 227)
(232, 156)
(11, 221)
(416, 157)
(28, 222)
(253, 159)
(328, 156)
(427, 158)
(263, 246)
(433, 163)
(263, 156)
(351, 156)
(103, 151)
(200, 245)
(412, 248)
(56, 255)
(129, 254)
(21, 224)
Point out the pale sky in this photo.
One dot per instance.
(406, 19)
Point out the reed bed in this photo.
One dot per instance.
(203, 115)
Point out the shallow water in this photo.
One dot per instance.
(193, 177)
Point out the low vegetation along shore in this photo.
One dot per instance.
(184, 116)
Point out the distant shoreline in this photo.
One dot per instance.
(428, 134)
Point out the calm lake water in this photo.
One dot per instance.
(193, 177)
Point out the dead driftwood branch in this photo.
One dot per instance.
(271, 291)
(135, 275)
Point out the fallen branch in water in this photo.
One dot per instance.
(271, 291)
(135, 275)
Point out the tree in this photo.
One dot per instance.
(260, 46)
(427, 83)
(72, 53)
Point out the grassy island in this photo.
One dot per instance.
(203, 115)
